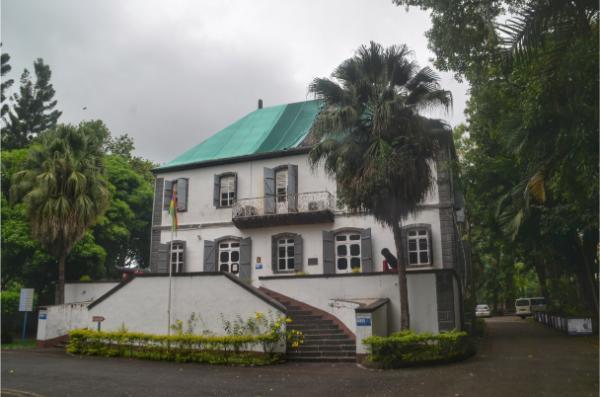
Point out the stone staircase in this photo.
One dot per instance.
(325, 337)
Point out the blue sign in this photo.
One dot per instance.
(259, 266)
(363, 321)
(43, 316)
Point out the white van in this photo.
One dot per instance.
(526, 306)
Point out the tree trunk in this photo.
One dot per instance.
(402, 284)
(586, 277)
(61, 279)
(540, 270)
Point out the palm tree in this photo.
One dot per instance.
(371, 137)
(64, 188)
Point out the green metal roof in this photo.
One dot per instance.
(264, 130)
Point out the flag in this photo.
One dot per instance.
(173, 207)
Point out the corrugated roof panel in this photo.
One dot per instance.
(264, 130)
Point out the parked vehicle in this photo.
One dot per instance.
(527, 306)
(483, 311)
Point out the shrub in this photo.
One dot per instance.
(407, 348)
(10, 314)
(181, 348)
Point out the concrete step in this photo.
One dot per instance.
(310, 326)
(323, 359)
(295, 354)
(328, 342)
(339, 335)
(326, 348)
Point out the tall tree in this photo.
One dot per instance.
(64, 188)
(371, 137)
(34, 108)
(5, 68)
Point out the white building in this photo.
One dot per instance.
(260, 231)
(249, 203)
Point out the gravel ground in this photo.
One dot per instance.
(517, 358)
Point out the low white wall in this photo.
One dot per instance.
(58, 320)
(141, 306)
(87, 291)
(325, 293)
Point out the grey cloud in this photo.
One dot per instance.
(172, 73)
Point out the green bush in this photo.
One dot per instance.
(10, 314)
(229, 349)
(407, 348)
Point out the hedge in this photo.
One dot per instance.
(229, 349)
(406, 348)
(10, 314)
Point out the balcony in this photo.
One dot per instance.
(291, 209)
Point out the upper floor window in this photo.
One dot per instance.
(281, 183)
(180, 186)
(419, 250)
(347, 252)
(177, 255)
(225, 190)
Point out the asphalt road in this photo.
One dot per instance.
(517, 358)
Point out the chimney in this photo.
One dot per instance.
(260, 103)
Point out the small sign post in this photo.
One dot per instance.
(98, 319)
(25, 305)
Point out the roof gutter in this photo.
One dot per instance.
(231, 160)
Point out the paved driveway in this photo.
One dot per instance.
(518, 358)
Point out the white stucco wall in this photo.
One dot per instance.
(87, 291)
(325, 293)
(141, 306)
(213, 223)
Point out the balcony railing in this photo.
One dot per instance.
(302, 208)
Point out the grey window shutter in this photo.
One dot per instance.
(235, 188)
(217, 191)
(209, 256)
(163, 258)
(183, 262)
(274, 266)
(404, 254)
(430, 246)
(292, 188)
(182, 194)
(167, 194)
(328, 253)
(245, 259)
(366, 250)
(298, 248)
(269, 181)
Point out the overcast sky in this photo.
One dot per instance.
(172, 73)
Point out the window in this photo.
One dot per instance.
(227, 191)
(177, 251)
(229, 257)
(347, 252)
(285, 254)
(418, 247)
(281, 184)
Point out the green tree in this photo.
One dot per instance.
(5, 68)
(64, 188)
(371, 137)
(34, 109)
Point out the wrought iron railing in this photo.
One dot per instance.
(288, 204)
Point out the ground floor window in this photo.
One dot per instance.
(177, 252)
(418, 247)
(285, 254)
(347, 252)
(229, 257)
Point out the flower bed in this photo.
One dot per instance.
(406, 348)
(229, 349)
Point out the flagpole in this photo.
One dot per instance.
(170, 274)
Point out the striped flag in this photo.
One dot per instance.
(173, 208)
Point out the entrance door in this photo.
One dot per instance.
(229, 257)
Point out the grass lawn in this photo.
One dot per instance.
(19, 344)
